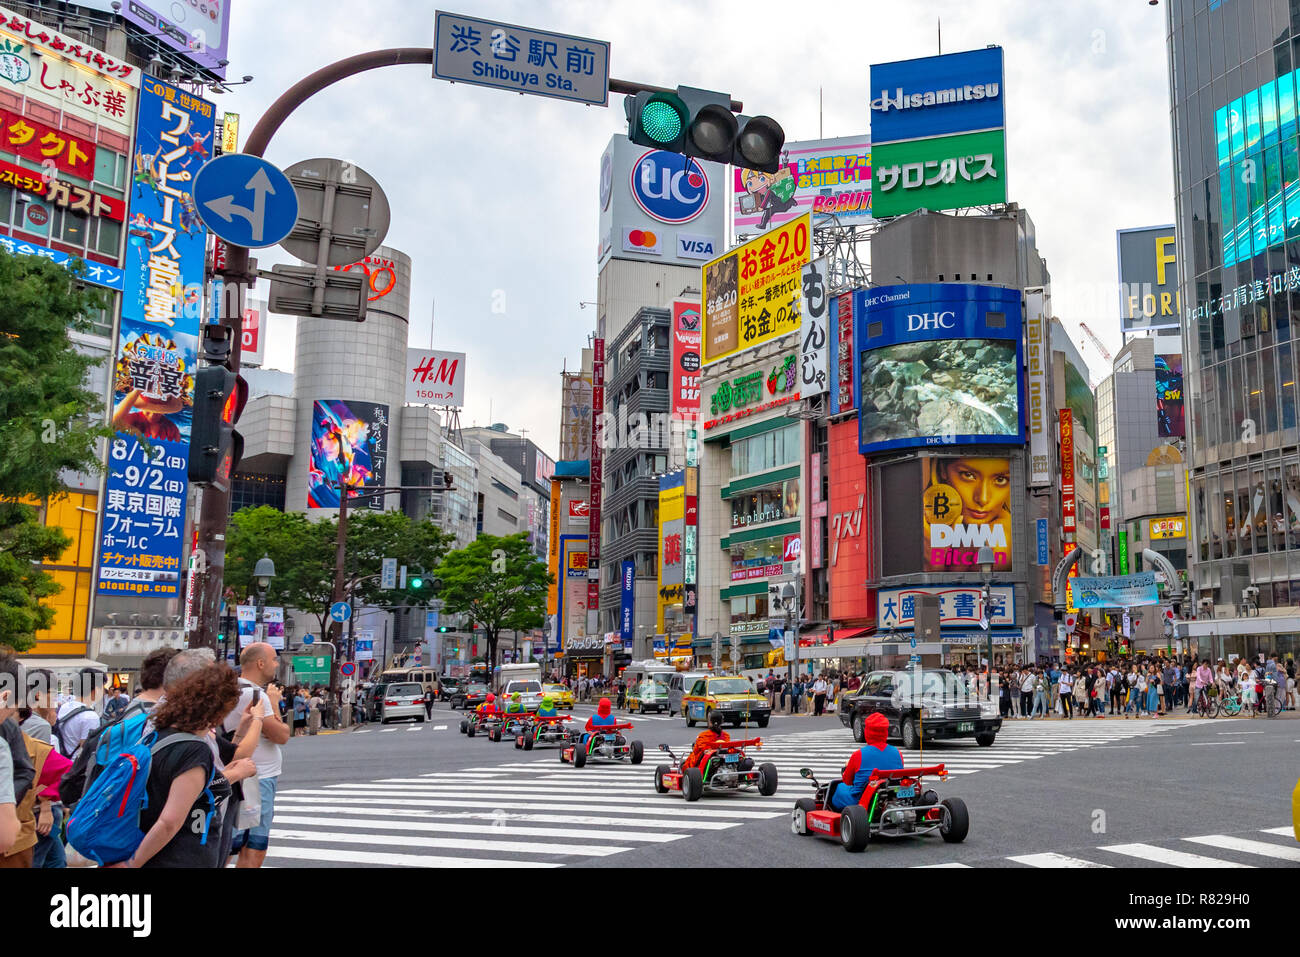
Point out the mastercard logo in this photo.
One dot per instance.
(643, 238)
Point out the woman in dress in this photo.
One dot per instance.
(1247, 684)
(1154, 688)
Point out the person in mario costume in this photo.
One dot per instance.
(603, 718)
(875, 755)
(488, 707)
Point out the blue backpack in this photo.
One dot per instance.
(105, 826)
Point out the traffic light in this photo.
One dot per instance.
(700, 123)
(443, 629)
(417, 582)
(219, 398)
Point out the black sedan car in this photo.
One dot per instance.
(469, 695)
(940, 708)
(448, 685)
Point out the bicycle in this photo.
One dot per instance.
(1269, 702)
(1228, 703)
(1204, 703)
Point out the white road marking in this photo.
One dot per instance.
(664, 805)
(596, 834)
(1152, 854)
(1053, 860)
(456, 844)
(385, 859)
(1245, 846)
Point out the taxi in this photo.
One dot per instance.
(561, 695)
(736, 699)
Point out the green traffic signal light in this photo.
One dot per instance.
(417, 582)
(663, 119)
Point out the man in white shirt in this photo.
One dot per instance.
(258, 665)
(78, 717)
(1026, 691)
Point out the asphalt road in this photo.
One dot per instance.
(1135, 793)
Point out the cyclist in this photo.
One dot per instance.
(1204, 678)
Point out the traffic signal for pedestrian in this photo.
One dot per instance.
(219, 398)
(700, 123)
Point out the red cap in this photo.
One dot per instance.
(604, 708)
(875, 729)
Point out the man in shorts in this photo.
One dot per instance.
(258, 665)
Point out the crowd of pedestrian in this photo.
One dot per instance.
(210, 739)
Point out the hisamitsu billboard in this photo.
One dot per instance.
(937, 96)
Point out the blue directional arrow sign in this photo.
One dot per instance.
(340, 611)
(308, 639)
(245, 200)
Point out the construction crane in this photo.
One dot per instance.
(1105, 353)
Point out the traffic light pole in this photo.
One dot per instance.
(237, 277)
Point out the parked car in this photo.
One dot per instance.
(940, 709)
(404, 700)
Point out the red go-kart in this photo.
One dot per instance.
(894, 804)
(547, 730)
(513, 723)
(608, 743)
(725, 768)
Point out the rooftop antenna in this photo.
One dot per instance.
(820, 131)
(938, 26)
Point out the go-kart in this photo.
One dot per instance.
(894, 804)
(607, 743)
(513, 723)
(476, 723)
(547, 730)
(725, 768)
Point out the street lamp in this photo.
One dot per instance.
(263, 572)
(986, 559)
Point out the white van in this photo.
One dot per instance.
(647, 686)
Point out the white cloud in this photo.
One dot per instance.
(497, 192)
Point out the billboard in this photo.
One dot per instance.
(966, 505)
(752, 294)
(1037, 360)
(937, 132)
(1173, 527)
(1169, 397)
(849, 524)
(199, 31)
(940, 365)
(252, 342)
(958, 607)
(844, 389)
(435, 378)
(153, 373)
(572, 610)
(349, 445)
(1258, 182)
(672, 540)
(575, 417)
(1148, 277)
(814, 362)
(684, 402)
(1118, 591)
(1069, 518)
(824, 177)
(627, 602)
(657, 206)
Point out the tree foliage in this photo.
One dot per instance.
(303, 552)
(48, 423)
(497, 583)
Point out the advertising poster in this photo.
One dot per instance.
(1119, 591)
(843, 396)
(597, 478)
(435, 378)
(153, 373)
(940, 365)
(1069, 519)
(627, 603)
(814, 362)
(365, 650)
(1037, 359)
(1148, 276)
(575, 418)
(775, 503)
(246, 617)
(573, 586)
(685, 400)
(752, 294)
(1169, 396)
(966, 505)
(958, 607)
(824, 177)
(1162, 528)
(672, 534)
(349, 445)
(553, 553)
(273, 618)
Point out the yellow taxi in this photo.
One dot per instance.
(735, 697)
(561, 695)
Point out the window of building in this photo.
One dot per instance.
(108, 240)
(753, 560)
(769, 504)
(110, 168)
(507, 517)
(255, 489)
(767, 451)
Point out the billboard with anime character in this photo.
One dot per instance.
(349, 446)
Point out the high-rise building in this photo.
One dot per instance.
(1233, 73)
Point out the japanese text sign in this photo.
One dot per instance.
(814, 377)
(520, 59)
(1067, 475)
(752, 294)
(153, 377)
(37, 142)
(826, 177)
(685, 372)
(946, 172)
(957, 606)
(77, 199)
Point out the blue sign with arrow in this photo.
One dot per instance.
(340, 611)
(308, 639)
(245, 200)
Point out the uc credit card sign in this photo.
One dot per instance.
(142, 539)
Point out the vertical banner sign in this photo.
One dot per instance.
(1036, 359)
(153, 376)
(246, 616)
(597, 482)
(844, 376)
(685, 400)
(1123, 552)
(814, 371)
(274, 620)
(553, 552)
(1043, 554)
(1067, 475)
(627, 604)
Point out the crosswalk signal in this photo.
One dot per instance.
(700, 123)
(219, 399)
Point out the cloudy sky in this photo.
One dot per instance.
(495, 194)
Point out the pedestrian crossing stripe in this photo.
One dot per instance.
(1257, 853)
(539, 813)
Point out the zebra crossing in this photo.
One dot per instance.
(1267, 847)
(540, 813)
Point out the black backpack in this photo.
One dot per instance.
(56, 730)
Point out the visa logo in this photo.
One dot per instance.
(696, 247)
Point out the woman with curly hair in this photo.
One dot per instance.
(181, 823)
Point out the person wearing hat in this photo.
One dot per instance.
(603, 718)
(875, 755)
(515, 705)
(488, 708)
(547, 708)
(707, 740)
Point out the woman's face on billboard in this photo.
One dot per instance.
(984, 486)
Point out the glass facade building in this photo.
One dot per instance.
(1234, 68)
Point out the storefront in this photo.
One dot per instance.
(1233, 638)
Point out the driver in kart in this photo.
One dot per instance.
(488, 708)
(603, 718)
(515, 705)
(875, 755)
(707, 740)
(547, 708)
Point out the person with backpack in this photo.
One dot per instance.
(78, 717)
(179, 819)
(19, 767)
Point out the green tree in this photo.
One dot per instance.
(303, 552)
(497, 583)
(48, 423)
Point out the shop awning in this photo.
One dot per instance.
(840, 649)
(62, 665)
